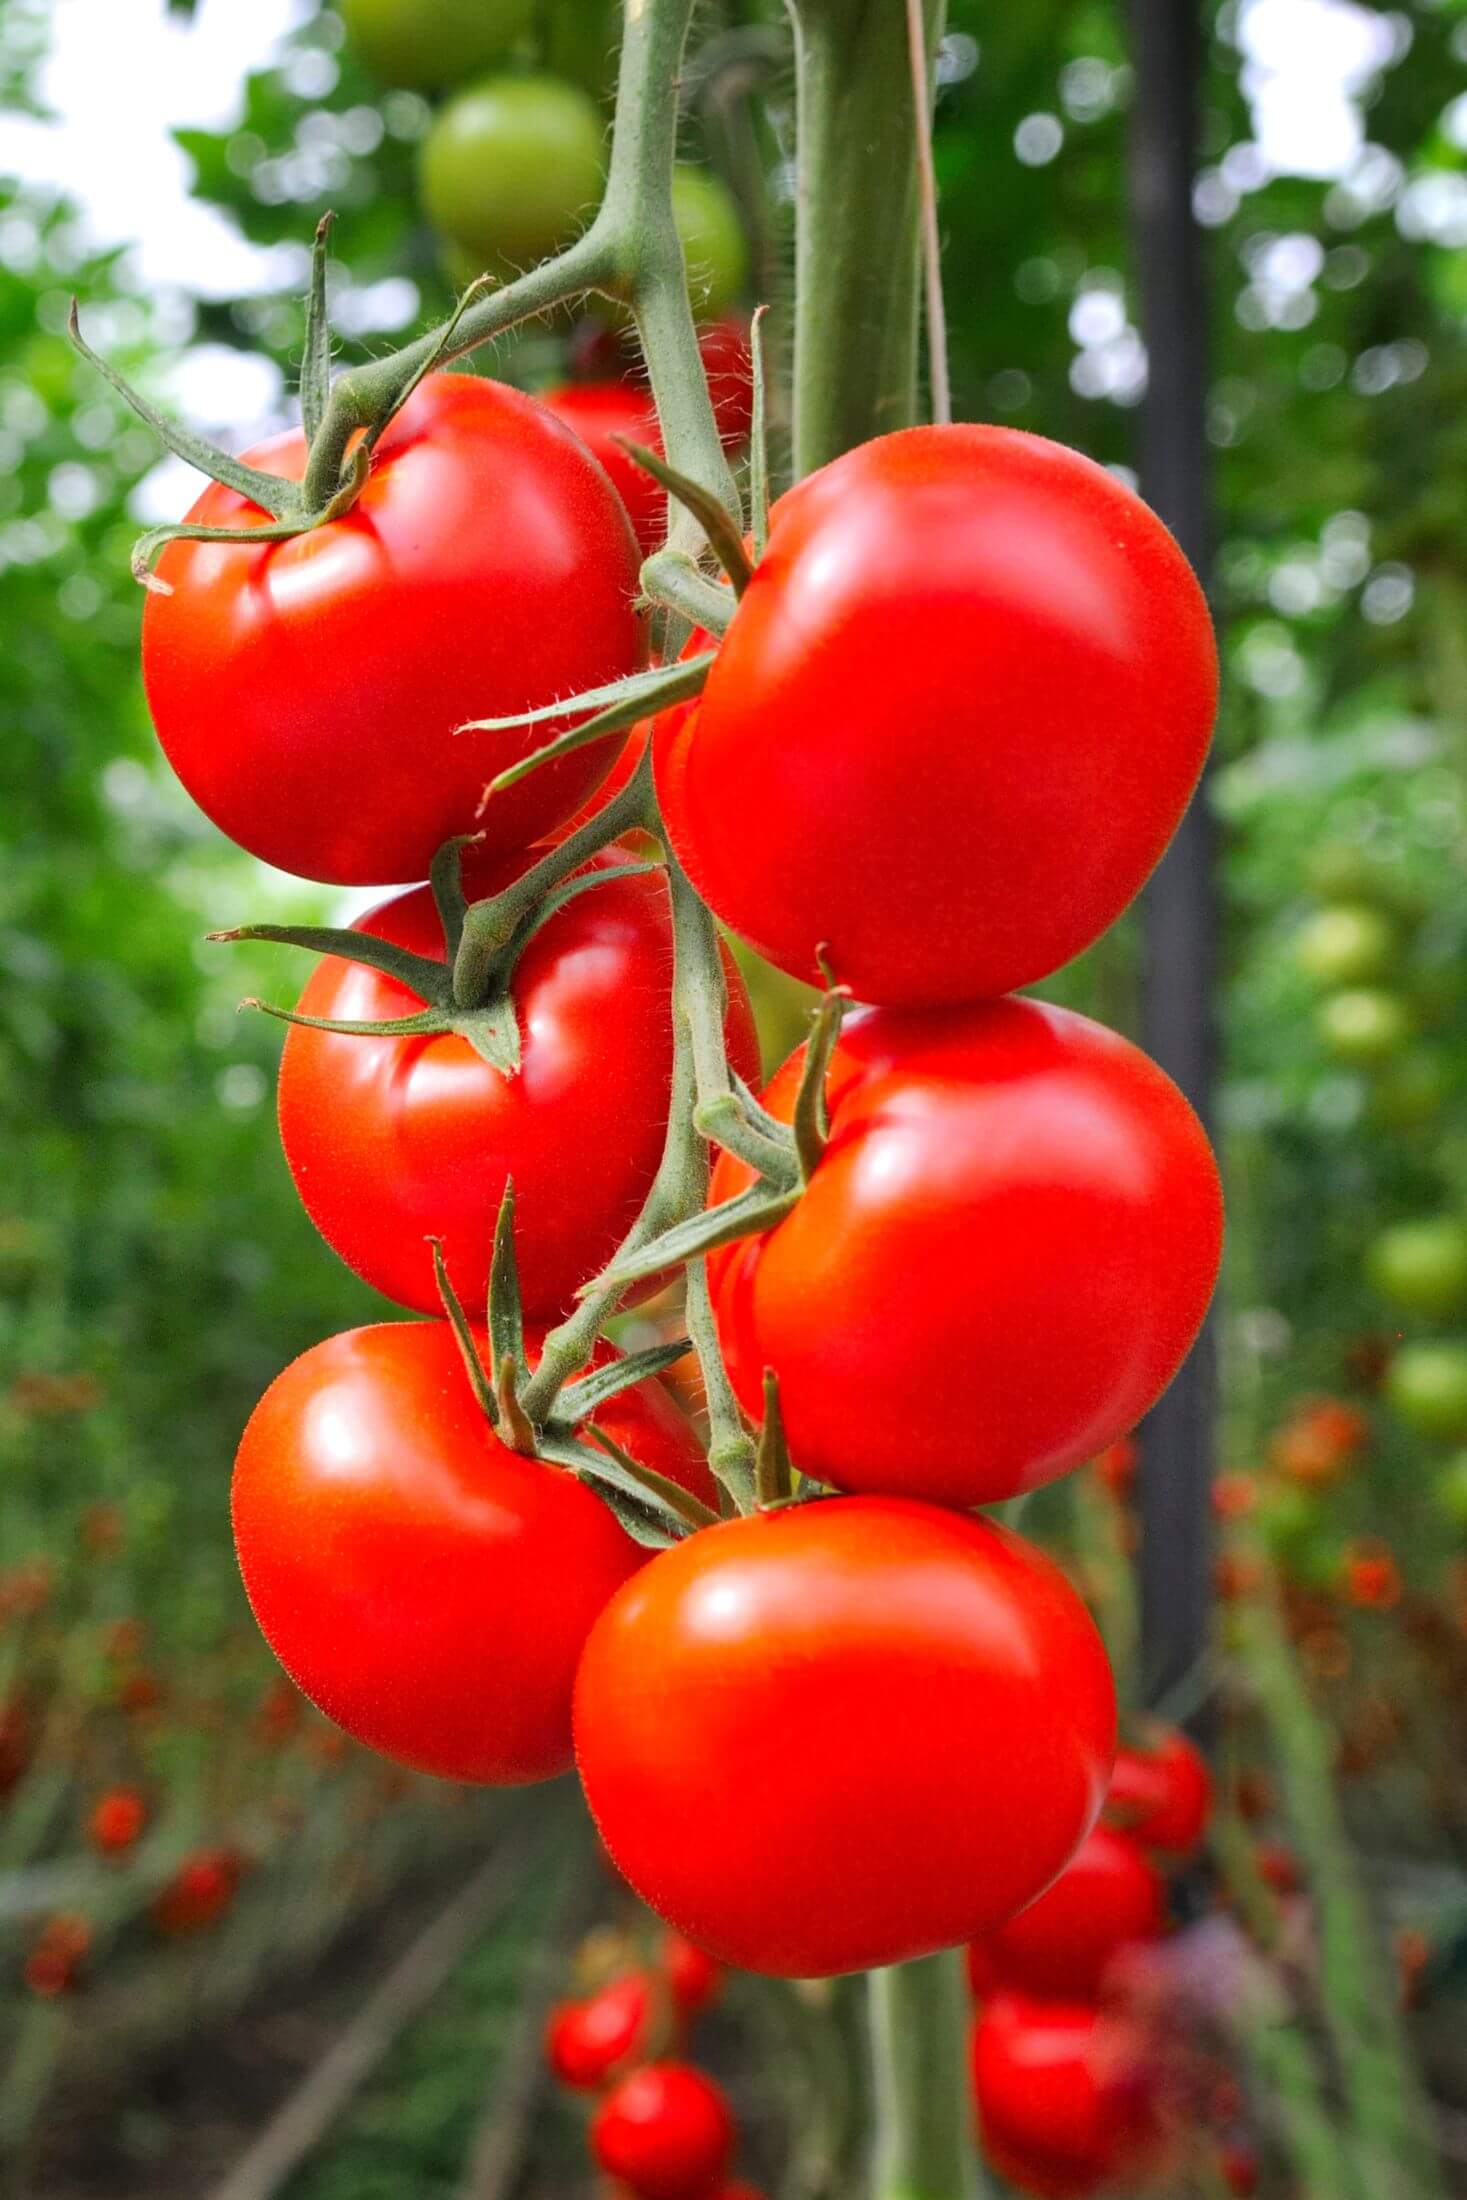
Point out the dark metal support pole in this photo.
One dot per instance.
(1179, 914)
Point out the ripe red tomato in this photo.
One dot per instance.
(954, 722)
(1000, 1261)
(601, 411)
(1066, 2099)
(116, 1821)
(666, 2132)
(1108, 1898)
(586, 2041)
(200, 1891)
(307, 692)
(1162, 1795)
(729, 366)
(694, 1979)
(429, 1589)
(391, 1139)
(864, 1681)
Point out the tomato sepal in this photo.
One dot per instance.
(748, 1214)
(712, 515)
(621, 703)
(653, 1511)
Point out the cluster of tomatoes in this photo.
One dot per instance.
(1073, 2089)
(662, 2129)
(953, 714)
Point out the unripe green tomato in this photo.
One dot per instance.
(1426, 1386)
(1338, 870)
(1422, 1265)
(1346, 944)
(424, 45)
(511, 169)
(1450, 1489)
(712, 237)
(1364, 1025)
(1412, 1091)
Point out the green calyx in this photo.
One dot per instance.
(468, 993)
(334, 475)
(654, 1511)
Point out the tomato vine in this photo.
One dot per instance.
(454, 1600)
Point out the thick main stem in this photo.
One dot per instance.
(918, 2019)
(857, 237)
(857, 300)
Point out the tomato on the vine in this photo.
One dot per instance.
(1422, 1265)
(711, 234)
(1426, 1384)
(954, 722)
(424, 44)
(511, 168)
(1161, 1793)
(694, 1979)
(999, 1262)
(1066, 2096)
(308, 693)
(1108, 1898)
(666, 2132)
(586, 2042)
(911, 1696)
(429, 1589)
(603, 409)
(599, 412)
(391, 1139)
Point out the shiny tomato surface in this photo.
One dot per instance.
(954, 723)
(1000, 1262)
(392, 1139)
(429, 1589)
(308, 692)
(666, 2132)
(1162, 1793)
(1066, 2099)
(910, 1701)
(1109, 1897)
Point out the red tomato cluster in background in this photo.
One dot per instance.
(1071, 2091)
(661, 2127)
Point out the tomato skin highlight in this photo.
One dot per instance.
(666, 2132)
(910, 1697)
(427, 1588)
(1108, 1898)
(1000, 1261)
(1162, 1794)
(954, 723)
(307, 692)
(391, 1139)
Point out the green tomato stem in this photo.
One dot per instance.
(918, 2018)
(857, 250)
